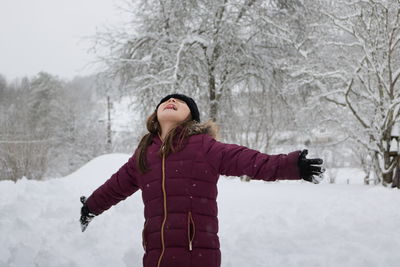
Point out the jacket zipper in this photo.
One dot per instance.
(143, 235)
(190, 223)
(165, 206)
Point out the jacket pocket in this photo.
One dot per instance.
(144, 243)
(191, 230)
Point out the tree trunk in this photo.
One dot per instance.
(396, 178)
(213, 96)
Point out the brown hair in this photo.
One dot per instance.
(154, 128)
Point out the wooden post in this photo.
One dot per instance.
(109, 106)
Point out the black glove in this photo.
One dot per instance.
(308, 169)
(86, 215)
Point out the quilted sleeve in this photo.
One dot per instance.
(119, 186)
(236, 160)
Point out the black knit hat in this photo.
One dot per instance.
(188, 100)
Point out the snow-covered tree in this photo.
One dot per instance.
(49, 127)
(80, 136)
(44, 102)
(22, 152)
(362, 74)
(204, 48)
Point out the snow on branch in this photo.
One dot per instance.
(267, 20)
(384, 170)
(350, 105)
(25, 141)
(396, 76)
(395, 43)
(341, 44)
(391, 112)
(188, 40)
(196, 39)
(329, 74)
(334, 21)
(330, 93)
(370, 146)
(343, 18)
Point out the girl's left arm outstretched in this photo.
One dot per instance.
(236, 160)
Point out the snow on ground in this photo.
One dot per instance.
(261, 224)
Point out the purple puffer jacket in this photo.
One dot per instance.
(180, 195)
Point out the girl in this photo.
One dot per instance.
(176, 166)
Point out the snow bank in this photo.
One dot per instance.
(261, 224)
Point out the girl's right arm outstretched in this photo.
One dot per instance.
(118, 187)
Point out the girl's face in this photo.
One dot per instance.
(173, 110)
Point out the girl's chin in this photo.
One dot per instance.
(170, 119)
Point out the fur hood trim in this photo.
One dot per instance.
(209, 127)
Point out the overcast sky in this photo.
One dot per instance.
(47, 35)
